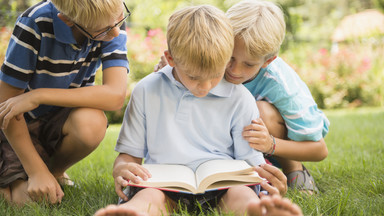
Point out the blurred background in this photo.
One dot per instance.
(336, 47)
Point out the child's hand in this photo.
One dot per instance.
(162, 63)
(258, 136)
(274, 175)
(15, 107)
(125, 172)
(44, 186)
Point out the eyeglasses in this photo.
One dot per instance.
(104, 33)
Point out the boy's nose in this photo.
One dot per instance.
(205, 85)
(233, 68)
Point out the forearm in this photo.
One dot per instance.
(108, 96)
(97, 97)
(126, 158)
(301, 151)
(18, 136)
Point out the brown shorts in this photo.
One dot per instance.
(46, 134)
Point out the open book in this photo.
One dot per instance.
(210, 175)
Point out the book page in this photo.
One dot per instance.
(169, 175)
(212, 167)
(237, 171)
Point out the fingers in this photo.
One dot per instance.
(256, 129)
(59, 193)
(162, 63)
(272, 170)
(129, 172)
(136, 173)
(3, 119)
(275, 177)
(6, 114)
(271, 190)
(120, 183)
(259, 121)
(255, 125)
(50, 195)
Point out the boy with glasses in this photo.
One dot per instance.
(51, 114)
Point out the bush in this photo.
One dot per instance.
(351, 77)
(144, 52)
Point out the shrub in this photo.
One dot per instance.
(351, 77)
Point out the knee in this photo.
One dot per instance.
(156, 196)
(87, 126)
(272, 119)
(268, 112)
(323, 150)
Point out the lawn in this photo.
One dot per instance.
(351, 179)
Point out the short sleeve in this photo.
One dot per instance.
(245, 111)
(114, 52)
(132, 137)
(22, 52)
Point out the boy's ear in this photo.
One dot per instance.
(169, 58)
(266, 63)
(65, 19)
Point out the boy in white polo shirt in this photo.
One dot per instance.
(187, 114)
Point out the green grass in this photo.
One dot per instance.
(351, 178)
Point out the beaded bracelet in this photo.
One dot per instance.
(273, 147)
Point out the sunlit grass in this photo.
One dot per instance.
(351, 178)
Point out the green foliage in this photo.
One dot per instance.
(153, 14)
(353, 76)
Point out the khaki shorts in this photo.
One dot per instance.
(46, 134)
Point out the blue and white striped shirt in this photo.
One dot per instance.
(42, 53)
(280, 85)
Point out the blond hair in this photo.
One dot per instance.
(89, 13)
(260, 24)
(200, 38)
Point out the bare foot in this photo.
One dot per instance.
(119, 210)
(64, 180)
(279, 206)
(254, 208)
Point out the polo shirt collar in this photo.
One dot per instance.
(223, 89)
(63, 33)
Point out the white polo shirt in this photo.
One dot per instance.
(165, 123)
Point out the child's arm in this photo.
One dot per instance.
(128, 168)
(260, 139)
(41, 183)
(109, 96)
